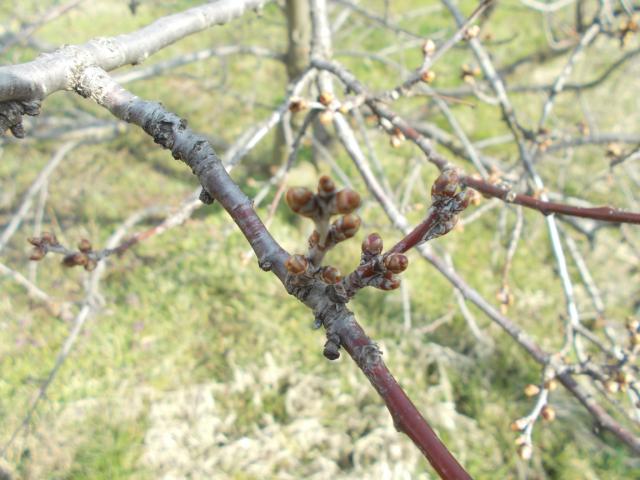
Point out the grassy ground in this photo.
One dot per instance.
(200, 365)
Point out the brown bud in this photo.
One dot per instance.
(531, 390)
(525, 451)
(74, 259)
(299, 197)
(347, 200)
(476, 198)
(548, 413)
(372, 244)
(389, 282)
(429, 47)
(331, 275)
(428, 76)
(348, 225)
(298, 104)
(446, 184)
(519, 424)
(37, 254)
(632, 324)
(471, 32)
(35, 241)
(466, 198)
(314, 238)
(84, 246)
(396, 262)
(551, 384)
(326, 185)
(49, 238)
(296, 264)
(326, 98)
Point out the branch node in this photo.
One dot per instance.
(205, 197)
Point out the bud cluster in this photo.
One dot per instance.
(468, 74)
(326, 104)
(471, 32)
(448, 198)
(320, 207)
(376, 269)
(42, 245)
(48, 242)
(542, 410)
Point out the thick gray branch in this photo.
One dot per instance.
(171, 132)
(59, 70)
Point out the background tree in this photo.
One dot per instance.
(209, 370)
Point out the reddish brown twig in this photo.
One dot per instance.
(84, 256)
(380, 271)
(443, 213)
(406, 417)
(605, 214)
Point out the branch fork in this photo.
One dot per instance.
(376, 269)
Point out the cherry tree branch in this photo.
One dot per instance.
(603, 418)
(406, 417)
(606, 214)
(57, 71)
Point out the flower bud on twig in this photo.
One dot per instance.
(348, 225)
(325, 98)
(347, 201)
(446, 184)
(372, 244)
(296, 264)
(428, 76)
(548, 413)
(75, 259)
(471, 32)
(326, 186)
(519, 424)
(525, 451)
(300, 200)
(389, 281)
(298, 104)
(330, 275)
(396, 262)
(429, 47)
(49, 238)
(84, 246)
